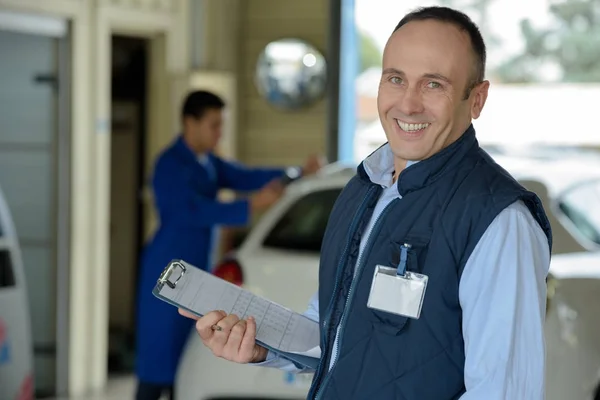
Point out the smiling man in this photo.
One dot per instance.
(433, 265)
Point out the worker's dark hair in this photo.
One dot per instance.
(196, 103)
(462, 22)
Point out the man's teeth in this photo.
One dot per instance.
(411, 127)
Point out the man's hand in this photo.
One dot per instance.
(312, 165)
(267, 196)
(236, 339)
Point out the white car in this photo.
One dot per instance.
(280, 256)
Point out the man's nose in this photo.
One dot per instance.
(411, 101)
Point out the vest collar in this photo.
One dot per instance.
(422, 173)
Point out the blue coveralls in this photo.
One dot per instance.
(185, 193)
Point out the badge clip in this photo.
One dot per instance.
(401, 270)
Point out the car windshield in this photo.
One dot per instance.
(581, 205)
(302, 227)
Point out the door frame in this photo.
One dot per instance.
(63, 213)
(167, 53)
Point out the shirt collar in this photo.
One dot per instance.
(379, 166)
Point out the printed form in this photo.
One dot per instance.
(277, 327)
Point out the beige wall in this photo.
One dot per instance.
(268, 136)
(229, 37)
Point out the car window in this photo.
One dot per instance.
(7, 276)
(581, 205)
(302, 227)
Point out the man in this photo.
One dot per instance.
(187, 177)
(429, 201)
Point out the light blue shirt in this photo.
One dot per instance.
(502, 293)
(205, 162)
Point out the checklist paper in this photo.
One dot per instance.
(291, 335)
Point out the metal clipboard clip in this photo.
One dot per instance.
(166, 274)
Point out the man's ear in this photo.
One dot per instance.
(188, 121)
(479, 95)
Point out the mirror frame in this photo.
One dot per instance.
(312, 57)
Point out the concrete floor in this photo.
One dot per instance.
(118, 388)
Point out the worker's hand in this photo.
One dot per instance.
(312, 165)
(236, 339)
(267, 196)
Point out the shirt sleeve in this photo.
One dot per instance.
(503, 297)
(233, 175)
(274, 361)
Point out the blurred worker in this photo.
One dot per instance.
(187, 177)
(429, 203)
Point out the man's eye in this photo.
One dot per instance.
(395, 80)
(434, 85)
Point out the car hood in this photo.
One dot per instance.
(576, 265)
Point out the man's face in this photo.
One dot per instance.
(206, 130)
(427, 66)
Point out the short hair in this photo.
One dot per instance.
(462, 22)
(196, 103)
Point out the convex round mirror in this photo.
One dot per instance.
(291, 74)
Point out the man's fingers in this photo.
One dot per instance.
(246, 351)
(229, 322)
(234, 340)
(232, 347)
(219, 338)
(204, 325)
(275, 185)
(187, 314)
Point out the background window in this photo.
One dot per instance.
(581, 205)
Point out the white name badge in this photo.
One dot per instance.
(396, 290)
(397, 294)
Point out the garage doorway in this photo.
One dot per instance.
(128, 134)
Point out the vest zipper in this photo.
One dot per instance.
(358, 272)
(353, 226)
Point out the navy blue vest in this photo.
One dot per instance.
(448, 201)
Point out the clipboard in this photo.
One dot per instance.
(288, 334)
